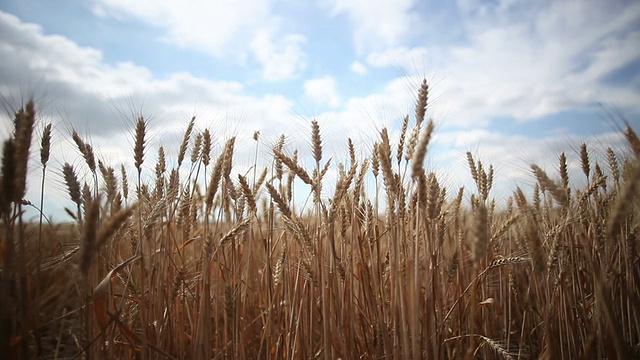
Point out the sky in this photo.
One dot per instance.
(514, 82)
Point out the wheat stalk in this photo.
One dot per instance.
(546, 183)
(139, 144)
(185, 141)
(206, 147)
(584, 160)
(280, 202)
(293, 166)
(384, 154)
(8, 173)
(24, 123)
(421, 103)
(633, 140)
(421, 150)
(316, 141)
(403, 134)
(248, 194)
(481, 230)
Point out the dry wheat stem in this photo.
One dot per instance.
(293, 166)
(185, 141)
(139, 144)
(421, 104)
(316, 141)
(421, 150)
(546, 183)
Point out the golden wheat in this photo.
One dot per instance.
(231, 268)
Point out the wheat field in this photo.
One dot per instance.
(205, 263)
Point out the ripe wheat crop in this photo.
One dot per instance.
(196, 261)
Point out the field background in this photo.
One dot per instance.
(204, 262)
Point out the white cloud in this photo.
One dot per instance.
(322, 90)
(520, 60)
(531, 64)
(220, 28)
(78, 90)
(402, 56)
(359, 68)
(281, 59)
(377, 23)
(508, 65)
(83, 85)
(362, 117)
(213, 26)
(74, 88)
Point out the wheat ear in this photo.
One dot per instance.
(185, 141)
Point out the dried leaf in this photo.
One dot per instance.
(488, 301)
(101, 293)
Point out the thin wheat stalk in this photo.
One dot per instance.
(248, 194)
(472, 167)
(228, 158)
(546, 183)
(206, 147)
(24, 120)
(240, 227)
(214, 182)
(564, 173)
(421, 104)
(139, 144)
(403, 134)
(384, 154)
(421, 150)
(8, 173)
(316, 141)
(45, 150)
(584, 160)
(73, 185)
(185, 141)
(260, 180)
(196, 149)
(138, 156)
(293, 166)
(614, 168)
(633, 140)
(625, 201)
(280, 202)
(375, 161)
(278, 161)
(125, 182)
(481, 230)
(85, 150)
(113, 224)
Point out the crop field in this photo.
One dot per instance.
(202, 262)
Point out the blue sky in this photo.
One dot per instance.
(512, 81)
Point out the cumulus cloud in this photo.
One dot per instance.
(358, 68)
(376, 23)
(212, 26)
(547, 60)
(362, 117)
(506, 62)
(322, 90)
(402, 56)
(220, 28)
(281, 59)
(77, 83)
(74, 88)
(55, 68)
(512, 59)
